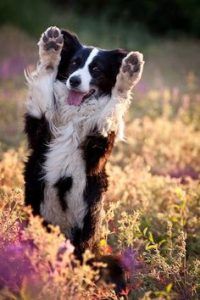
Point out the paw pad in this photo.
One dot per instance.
(132, 63)
(52, 39)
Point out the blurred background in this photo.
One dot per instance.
(166, 31)
(154, 196)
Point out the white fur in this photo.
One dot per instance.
(40, 95)
(69, 127)
(65, 156)
(84, 74)
(40, 82)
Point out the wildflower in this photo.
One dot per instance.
(104, 248)
(130, 260)
(15, 264)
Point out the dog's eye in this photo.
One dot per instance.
(95, 69)
(74, 63)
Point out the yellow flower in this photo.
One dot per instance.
(102, 243)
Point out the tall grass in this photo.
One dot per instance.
(150, 222)
(34, 16)
(151, 218)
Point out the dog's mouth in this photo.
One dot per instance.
(76, 97)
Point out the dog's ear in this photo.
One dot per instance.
(118, 55)
(70, 46)
(115, 58)
(71, 42)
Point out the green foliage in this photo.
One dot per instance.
(26, 14)
(161, 17)
(34, 16)
(151, 208)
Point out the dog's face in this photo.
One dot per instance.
(86, 70)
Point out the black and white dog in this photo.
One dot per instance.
(76, 103)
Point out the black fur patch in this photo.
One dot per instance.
(103, 68)
(38, 134)
(70, 47)
(96, 186)
(113, 273)
(76, 238)
(84, 238)
(63, 185)
(96, 150)
(79, 59)
(37, 131)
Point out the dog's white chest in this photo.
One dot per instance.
(65, 159)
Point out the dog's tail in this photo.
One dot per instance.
(113, 272)
(111, 269)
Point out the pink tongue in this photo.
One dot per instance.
(75, 98)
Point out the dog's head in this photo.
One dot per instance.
(87, 70)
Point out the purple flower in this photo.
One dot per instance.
(142, 87)
(129, 260)
(15, 264)
(11, 67)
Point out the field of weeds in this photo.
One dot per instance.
(152, 208)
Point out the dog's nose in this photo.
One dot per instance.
(75, 81)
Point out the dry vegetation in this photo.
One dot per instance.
(152, 209)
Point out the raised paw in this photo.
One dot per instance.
(50, 46)
(132, 63)
(129, 74)
(52, 39)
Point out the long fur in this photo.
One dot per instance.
(70, 145)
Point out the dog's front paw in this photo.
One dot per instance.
(52, 39)
(129, 74)
(50, 46)
(132, 64)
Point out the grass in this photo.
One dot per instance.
(152, 212)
